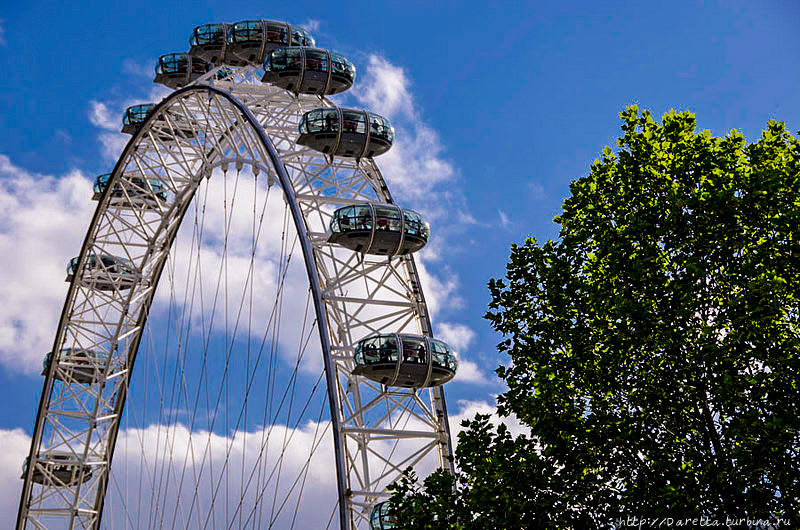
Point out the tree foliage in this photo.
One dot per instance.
(655, 346)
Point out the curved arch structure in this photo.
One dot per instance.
(354, 295)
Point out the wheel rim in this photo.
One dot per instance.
(192, 134)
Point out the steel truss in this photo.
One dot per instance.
(229, 119)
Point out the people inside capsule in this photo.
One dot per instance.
(135, 116)
(250, 41)
(308, 70)
(138, 191)
(61, 467)
(176, 70)
(380, 229)
(379, 518)
(104, 272)
(410, 361)
(346, 132)
(208, 42)
(82, 365)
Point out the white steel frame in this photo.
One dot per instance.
(229, 118)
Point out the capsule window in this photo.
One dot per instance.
(208, 34)
(349, 69)
(380, 518)
(172, 63)
(334, 224)
(359, 353)
(247, 31)
(316, 60)
(387, 218)
(443, 356)
(346, 220)
(439, 353)
(381, 128)
(294, 58)
(321, 120)
(276, 60)
(375, 126)
(300, 37)
(342, 66)
(276, 33)
(72, 266)
(363, 215)
(102, 182)
(315, 121)
(137, 114)
(371, 350)
(353, 122)
(386, 346)
(414, 350)
(413, 223)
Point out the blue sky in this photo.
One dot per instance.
(503, 105)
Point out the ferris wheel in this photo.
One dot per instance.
(247, 251)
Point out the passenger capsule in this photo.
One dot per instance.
(250, 41)
(57, 469)
(180, 125)
(309, 70)
(104, 272)
(176, 70)
(84, 366)
(411, 361)
(135, 116)
(209, 41)
(380, 519)
(382, 229)
(346, 132)
(138, 192)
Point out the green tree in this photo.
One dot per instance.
(655, 346)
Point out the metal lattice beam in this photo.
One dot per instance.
(234, 121)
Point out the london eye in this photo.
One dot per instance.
(247, 252)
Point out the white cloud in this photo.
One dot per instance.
(112, 145)
(42, 223)
(504, 220)
(141, 459)
(110, 121)
(419, 175)
(148, 457)
(131, 67)
(415, 164)
(312, 24)
(243, 272)
(468, 409)
(3, 32)
(108, 117)
(15, 444)
(458, 336)
(537, 190)
(470, 372)
(100, 116)
(439, 292)
(156, 94)
(385, 89)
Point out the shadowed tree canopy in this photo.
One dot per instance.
(655, 346)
